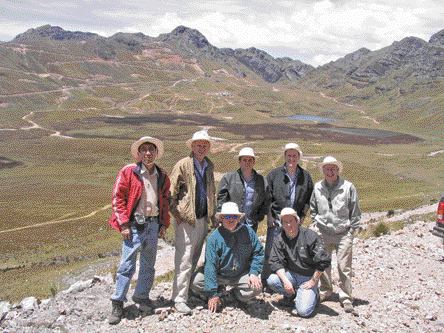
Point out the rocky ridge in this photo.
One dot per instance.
(397, 287)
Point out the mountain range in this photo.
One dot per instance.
(414, 56)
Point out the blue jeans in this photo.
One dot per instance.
(306, 299)
(145, 242)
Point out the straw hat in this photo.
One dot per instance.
(199, 135)
(295, 146)
(146, 139)
(330, 160)
(229, 208)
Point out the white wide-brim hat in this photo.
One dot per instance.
(294, 146)
(247, 151)
(199, 135)
(291, 212)
(146, 139)
(330, 160)
(229, 208)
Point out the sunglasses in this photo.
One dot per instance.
(231, 217)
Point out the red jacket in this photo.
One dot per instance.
(128, 190)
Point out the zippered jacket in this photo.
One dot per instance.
(335, 210)
(231, 188)
(127, 192)
(183, 191)
(303, 254)
(279, 186)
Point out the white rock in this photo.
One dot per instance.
(4, 307)
(29, 303)
(78, 286)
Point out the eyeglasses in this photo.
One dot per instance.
(231, 217)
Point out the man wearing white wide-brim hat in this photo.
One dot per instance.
(193, 207)
(233, 257)
(290, 186)
(335, 212)
(246, 188)
(140, 212)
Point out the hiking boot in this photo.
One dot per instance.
(325, 296)
(145, 304)
(348, 306)
(182, 307)
(287, 301)
(116, 312)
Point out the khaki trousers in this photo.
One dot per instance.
(342, 244)
(188, 243)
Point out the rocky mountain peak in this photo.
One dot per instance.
(438, 38)
(191, 36)
(53, 33)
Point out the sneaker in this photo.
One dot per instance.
(145, 304)
(182, 307)
(116, 312)
(294, 312)
(348, 306)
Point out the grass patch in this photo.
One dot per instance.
(167, 277)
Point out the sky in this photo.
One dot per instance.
(312, 31)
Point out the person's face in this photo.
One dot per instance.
(246, 163)
(291, 158)
(147, 153)
(331, 172)
(290, 225)
(200, 149)
(230, 222)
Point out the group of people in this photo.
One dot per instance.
(296, 260)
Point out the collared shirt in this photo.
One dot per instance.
(292, 186)
(148, 201)
(199, 167)
(247, 204)
(201, 205)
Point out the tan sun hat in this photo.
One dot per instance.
(294, 146)
(247, 151)
(291, 212)
(229, 208)
(330, 160)
(199, 135)
(146, 139)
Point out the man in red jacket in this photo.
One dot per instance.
(141, 215)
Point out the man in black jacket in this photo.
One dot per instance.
(246, 188)
(298, 259)
(289, 186)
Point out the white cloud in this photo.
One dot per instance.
(314, 31)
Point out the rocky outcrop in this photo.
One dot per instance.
(54, 33)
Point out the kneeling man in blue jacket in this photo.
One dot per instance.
(233, 257)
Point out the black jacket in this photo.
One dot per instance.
(278, 184)
(231, 188)
(303, 254)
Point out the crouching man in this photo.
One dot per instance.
(298, 259)
(233, 257)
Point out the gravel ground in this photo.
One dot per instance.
(398, 287)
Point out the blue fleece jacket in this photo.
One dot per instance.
(231, 255)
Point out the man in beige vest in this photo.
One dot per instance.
(193, 207)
